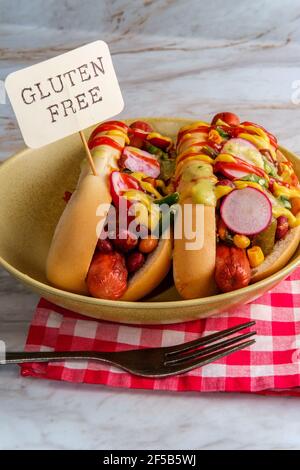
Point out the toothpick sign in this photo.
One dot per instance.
(65, 94)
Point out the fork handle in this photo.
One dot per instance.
(21, 357)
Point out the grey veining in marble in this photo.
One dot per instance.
(172, 57)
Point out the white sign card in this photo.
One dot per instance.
(63, 95)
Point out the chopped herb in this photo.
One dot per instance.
(209, 151)
(269, 168)
(255, 179)
(156, 151)
(167, 168)
(170, 199)
(222, 133)
(284, 201)
(167, 165)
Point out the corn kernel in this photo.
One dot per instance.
(255, 256)
(241, 241)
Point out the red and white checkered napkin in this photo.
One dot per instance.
(270, 366)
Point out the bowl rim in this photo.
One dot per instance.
(41, 286)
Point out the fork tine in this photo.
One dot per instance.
(189, 365)
(207, 339)
(204, 351)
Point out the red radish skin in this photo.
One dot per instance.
(238, 169)
(233, 174)
(138, 160)
(120, 182)
(246, 211)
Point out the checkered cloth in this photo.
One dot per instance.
(270, 366)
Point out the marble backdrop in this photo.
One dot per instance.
(188, 58)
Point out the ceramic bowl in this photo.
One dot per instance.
(32, 184)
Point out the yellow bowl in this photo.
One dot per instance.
(32, 184)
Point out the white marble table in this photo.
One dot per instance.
(170, 61)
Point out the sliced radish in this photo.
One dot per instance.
(230, 172)
(138, 160)
(119, 183)
(246, 211)
(244, 150)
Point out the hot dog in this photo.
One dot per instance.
(86, 256)
(194, 169)
(251, 199)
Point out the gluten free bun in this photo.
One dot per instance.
(151, 274)
(76, 235)
(281, 254)
(194, 269)
(75, 238)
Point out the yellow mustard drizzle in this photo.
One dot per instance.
(181, 164)
(146, 213)
(221, 191)
(278, 211)
(153, 135)
(258, 141)
(224, 157)
(257, 130)
(193, 149)
(118, 133)
(280, 190)
(244, 184)
(145, 184)
(193, 126)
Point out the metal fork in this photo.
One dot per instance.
(153, 362)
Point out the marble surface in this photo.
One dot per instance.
(238, 56)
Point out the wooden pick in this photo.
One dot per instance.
(88, 153)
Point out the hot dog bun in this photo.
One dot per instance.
(194, 269)
(281, 254)
(151, 274)
(75, 237)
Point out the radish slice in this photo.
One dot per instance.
(138, 160)
(246, 211)
(233, 174)
(244, 150)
